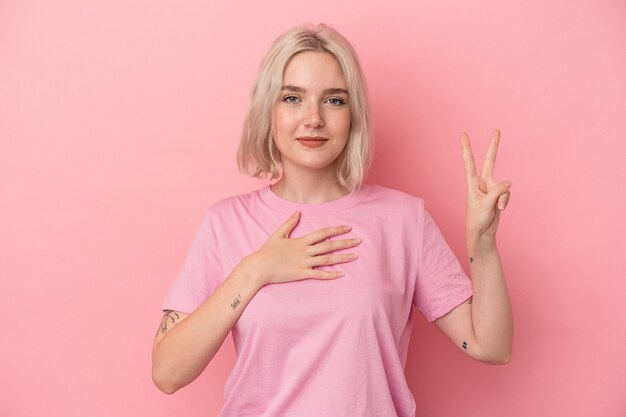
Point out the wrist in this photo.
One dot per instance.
(480, 244)
(253, 274)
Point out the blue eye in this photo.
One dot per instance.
(291, 99)
(336, 101)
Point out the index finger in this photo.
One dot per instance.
(468, 157)
(322, 234)
(490, 159)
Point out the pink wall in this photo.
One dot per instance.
(119, 123)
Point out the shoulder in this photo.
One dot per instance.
(234, 203)
(222, 210)
(393, 198)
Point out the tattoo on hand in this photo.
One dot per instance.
(235, 303)
(464, 345)
(169, 320)
(471, 259)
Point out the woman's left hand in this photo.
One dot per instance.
(483, 326)
(485, 198)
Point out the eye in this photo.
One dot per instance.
(291, 99)
(336, 101)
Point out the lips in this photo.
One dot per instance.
(312, 141)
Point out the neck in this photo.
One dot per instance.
(309, 187)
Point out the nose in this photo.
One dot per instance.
(313, 117)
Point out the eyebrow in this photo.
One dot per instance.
(327, 91)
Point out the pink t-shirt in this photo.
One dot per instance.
(326, 348)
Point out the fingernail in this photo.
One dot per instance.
(347, 228)
(294, 214)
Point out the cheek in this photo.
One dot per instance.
(344, 124)
(283, 121)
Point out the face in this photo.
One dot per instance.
(312, 116)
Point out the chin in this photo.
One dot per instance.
(313, 165)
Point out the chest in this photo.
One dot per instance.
(378, 285)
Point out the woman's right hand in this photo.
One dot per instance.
(284, 259)
(186, 344)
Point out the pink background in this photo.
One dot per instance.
(119, 123)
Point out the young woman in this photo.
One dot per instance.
(316, 275)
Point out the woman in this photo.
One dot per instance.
(320, 302)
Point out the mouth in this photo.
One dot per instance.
(312, 142)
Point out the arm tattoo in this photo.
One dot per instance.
(471, 259)
(464, 345)
(235, 303)
(169, 320)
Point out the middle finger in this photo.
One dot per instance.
(490, 159)
(332, 245)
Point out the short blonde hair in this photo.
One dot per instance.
(258, 155)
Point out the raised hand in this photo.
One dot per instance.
(284, 259)
(485, 197)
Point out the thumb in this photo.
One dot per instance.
(285, 229)
(496, 191)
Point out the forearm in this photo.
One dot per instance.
(492, 317)
(188, 347)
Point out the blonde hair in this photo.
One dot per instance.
(258, 155)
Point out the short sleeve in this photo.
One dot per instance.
(201, 272)
(441, 283)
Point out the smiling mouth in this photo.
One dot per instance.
(312, 142)
(312, 139)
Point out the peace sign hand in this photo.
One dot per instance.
(485, 198)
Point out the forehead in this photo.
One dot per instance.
(314, 69)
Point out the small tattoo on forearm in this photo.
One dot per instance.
(471, 259)
(235, 303)
(169, 320)
(465, 345)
